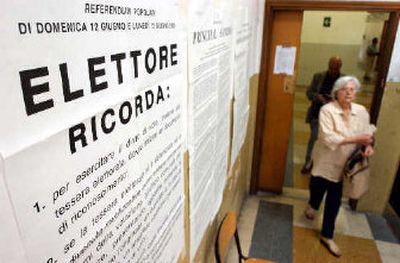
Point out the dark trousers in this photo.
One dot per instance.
(312, 139)
(318, 187)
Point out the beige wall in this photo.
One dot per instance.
(346, 28)
(349, 34)
(314, 58)
(343, 38)
(385, 162)
(375, 22)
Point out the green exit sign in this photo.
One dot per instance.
(327, 21)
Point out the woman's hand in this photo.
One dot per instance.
(365, 139)
(369, 151)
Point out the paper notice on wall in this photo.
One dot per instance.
(92, 131)
(210, 85)
(60, 57)
(241, 116)
(241, 77)
(285, 58)
(242, 36)
(11, 248)
(257, 25)
(199, 215)
(118, 199)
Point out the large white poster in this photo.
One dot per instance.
(210, 60)
(257, 25)
(242, 35)
(68, 60)
(92, 131)
(11, 249)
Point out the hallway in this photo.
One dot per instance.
(361, 237)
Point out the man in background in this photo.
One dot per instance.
(319, 93)
(372, 52)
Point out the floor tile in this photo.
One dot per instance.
(246, 222)
(389, 252)
(299, 150)
(300, 181)
(393, 222)
(357, 223)
(301, 125)
(307, 248)
(299, 114)
(380, 229)
(352, 233)
(301, 137)
(272, 235)
(348, 222)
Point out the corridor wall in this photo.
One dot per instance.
(319, 43)
(126, 127)
(385, 162)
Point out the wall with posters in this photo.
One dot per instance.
(237, 184)
(100, 103)
(92, 134)
(224, 51)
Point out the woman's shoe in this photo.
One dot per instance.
(331, 246)
(309, 213)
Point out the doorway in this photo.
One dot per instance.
(269, 151)
(325, 34)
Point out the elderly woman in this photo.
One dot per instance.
(342, 126)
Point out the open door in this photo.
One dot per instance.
(386, 48)
(282, 26)
(278, 111)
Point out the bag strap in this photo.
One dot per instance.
(365, 167)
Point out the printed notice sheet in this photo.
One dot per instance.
(241, 79)
(91, 132)
(210, 84)
(285, 57)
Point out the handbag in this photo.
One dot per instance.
(356, 163)
(356, 174)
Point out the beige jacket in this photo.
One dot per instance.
(329, 156)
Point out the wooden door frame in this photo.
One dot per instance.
(272, 6)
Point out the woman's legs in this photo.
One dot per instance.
(318, 186)
(317, 189)
(332, 205)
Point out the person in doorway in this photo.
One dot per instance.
(372, 52)
(342, 126)
(319, 93)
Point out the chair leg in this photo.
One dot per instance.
(216, 249)
(239, 248)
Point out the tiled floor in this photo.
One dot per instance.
(361, 237)
(357, 237)
(301, 131)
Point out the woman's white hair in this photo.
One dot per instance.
(341, 82)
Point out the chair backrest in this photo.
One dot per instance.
(225, 234)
